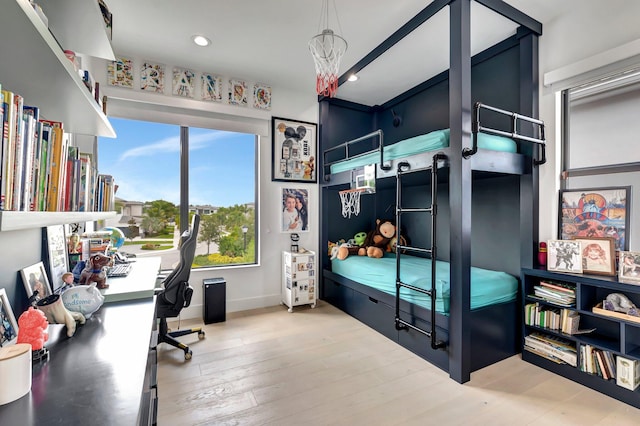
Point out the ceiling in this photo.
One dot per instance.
(266, 41)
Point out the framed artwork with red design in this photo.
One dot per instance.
(595, 213)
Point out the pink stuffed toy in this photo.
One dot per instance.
(33, 328)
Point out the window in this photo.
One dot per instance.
(219, 184)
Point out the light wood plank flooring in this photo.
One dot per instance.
(322, 367)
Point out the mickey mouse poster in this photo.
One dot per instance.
(294, 150)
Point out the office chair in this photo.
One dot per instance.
(176, 292)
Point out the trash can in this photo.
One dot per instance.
(214, 305)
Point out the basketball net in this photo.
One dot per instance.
(327, 49)
(350, 199)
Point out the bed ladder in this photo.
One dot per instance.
(403, 168)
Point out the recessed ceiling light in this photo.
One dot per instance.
(353, 77)
(201, 40)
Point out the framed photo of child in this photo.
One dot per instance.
(598, 255)
(564, 256)
(629, 268)
(34, 278)
(8, 323)
(294, 216)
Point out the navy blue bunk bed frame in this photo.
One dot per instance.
(472, 338)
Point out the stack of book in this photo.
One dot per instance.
(40, 169)
(557, 293)
(552, 348)
(564, 320)
(597, 361)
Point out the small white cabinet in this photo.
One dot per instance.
(299, 279)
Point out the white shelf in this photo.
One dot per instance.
(13, 221)
(34, 66)
(86, 34)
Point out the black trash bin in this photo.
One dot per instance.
(214, 305)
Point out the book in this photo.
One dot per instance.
(55, 176)
(553, 346)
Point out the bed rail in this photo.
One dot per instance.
(345, 146)
(404, 167)
(478, 127)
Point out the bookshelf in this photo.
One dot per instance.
(33, 64)
(618, 336)
(17, 220)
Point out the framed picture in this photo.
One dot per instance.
(34, 278)
(183, 82)
(598, 255)
(211, 87)
(629, 268)
(8, 323)
(595, 212)
(294, 150)
(261, 96)
(294, 216)
(56, 254)
(238, 92)
(152, 77)
(120, 72)
(564, 256)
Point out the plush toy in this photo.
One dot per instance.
(374, 244)
(378, 238)
(353, 246)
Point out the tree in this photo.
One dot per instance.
(162, 210)
(152, 225)
(211, 229)
(133, 229)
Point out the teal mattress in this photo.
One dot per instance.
(423, 143)
(487, 287)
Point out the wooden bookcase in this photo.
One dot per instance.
(619, 336)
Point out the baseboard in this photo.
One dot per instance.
(194, 311)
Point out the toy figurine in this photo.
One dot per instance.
(95, 270)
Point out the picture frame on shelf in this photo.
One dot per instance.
(564, 256)
(598, 255)
(293, 155)
(8, 323)
(629, 267)
(595, 212)
(57, 259)
(34, 278)
(294, 215)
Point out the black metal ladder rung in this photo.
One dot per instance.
(414, 288)
(415, 210)
(415, 249)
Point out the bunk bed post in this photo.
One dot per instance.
(323, 117)
(460, 190)
(529, 183)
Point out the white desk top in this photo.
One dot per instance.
(139, 284)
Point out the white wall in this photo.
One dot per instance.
(247, 287)
(593, 28)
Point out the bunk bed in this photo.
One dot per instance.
(427, 296)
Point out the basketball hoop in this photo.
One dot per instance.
(327, 49)
(350, 199)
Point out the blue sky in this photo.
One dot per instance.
(144, 159)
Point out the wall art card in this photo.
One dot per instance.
(261, 96)
(237, 92)
(595, 212)
(152, 77)
(120, 72)
(211, 87)
(184, 82)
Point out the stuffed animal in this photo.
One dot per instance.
(353, 246)
(375, 241)
(95, 270)
(378, 239)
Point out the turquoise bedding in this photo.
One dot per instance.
(423, 143)
(487, 287)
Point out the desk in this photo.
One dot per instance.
(96, 377)
(139, 284)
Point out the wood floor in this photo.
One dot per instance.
(322, 367)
